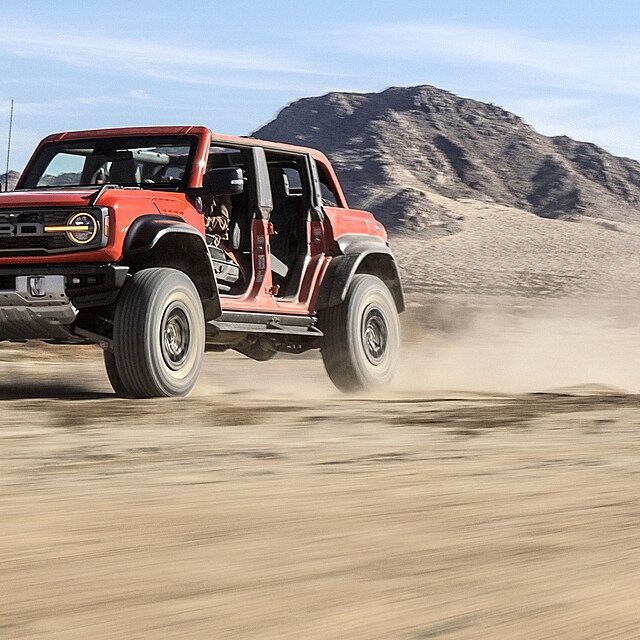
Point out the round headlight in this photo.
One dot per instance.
(87, 228)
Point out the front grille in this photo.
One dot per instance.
(14, 243)
(44, 244)
(43, 216)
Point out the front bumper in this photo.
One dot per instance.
(43, 302)
(38, 307)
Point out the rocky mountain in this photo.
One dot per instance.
(395, 148)
(12, 179)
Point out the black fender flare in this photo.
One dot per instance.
(359, 254)
(146, 231)
(163, 241)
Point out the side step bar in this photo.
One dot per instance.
(270, 323)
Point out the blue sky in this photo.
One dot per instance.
(567, 67)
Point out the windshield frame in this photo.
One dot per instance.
(48, 150)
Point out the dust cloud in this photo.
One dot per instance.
(511, 347)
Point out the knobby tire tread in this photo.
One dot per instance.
(339, 348)
(139, 300)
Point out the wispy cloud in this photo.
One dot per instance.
(139, 57)
(589, 121)
(594, 65)
(254, 82)
(54, 107)
(549, 104)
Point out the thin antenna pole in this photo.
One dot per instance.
(6, 175)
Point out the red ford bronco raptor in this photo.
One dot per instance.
(161, 243)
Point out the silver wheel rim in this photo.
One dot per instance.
(375, 334)
(175, 337)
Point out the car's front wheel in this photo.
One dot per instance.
(361, 342)
(113, 374)
(158, 335)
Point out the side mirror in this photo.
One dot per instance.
(225, 181)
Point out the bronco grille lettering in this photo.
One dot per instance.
(21, 229)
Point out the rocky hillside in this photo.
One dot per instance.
(13, 178)
(392, 149)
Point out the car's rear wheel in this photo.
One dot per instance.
(361, 342)
(158, 334)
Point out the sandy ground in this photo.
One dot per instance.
(491, 493)
(505, 251)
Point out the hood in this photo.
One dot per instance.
(46, 198)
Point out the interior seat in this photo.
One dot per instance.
(124, 172)
(284, 217)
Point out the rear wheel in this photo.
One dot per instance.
(361, 340)
(158, 335)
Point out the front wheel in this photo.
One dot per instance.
(361, 343)
(113, 374)
(158, 334)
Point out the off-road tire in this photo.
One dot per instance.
(113, 374)
(159, 334)
(361, 342)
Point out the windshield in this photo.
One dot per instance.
(148, 162)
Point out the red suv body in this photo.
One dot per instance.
(106, 239)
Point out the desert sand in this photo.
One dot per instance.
(490, 493)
